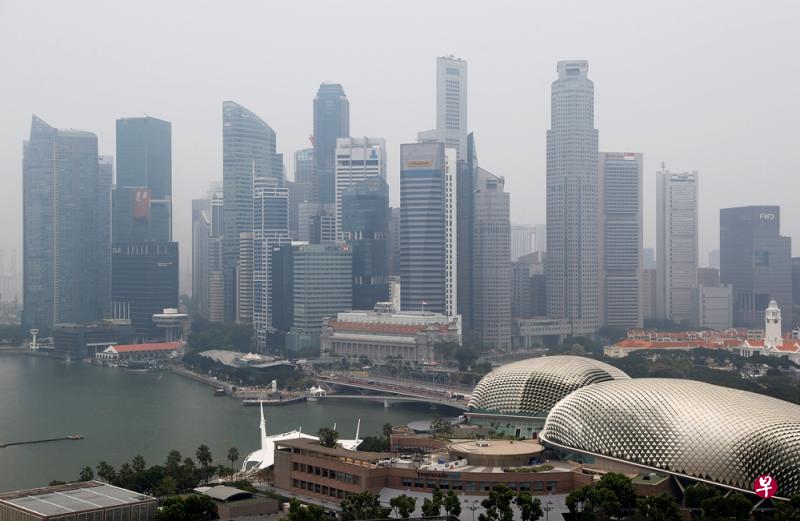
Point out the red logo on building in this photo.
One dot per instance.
(765, 486)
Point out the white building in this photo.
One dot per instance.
(451, 106)
(715, 307)
(676, 245)
(620, 238)
(572, 201)
(357, 159)
(773, 343)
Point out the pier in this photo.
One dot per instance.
(73, 437)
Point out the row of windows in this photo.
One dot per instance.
(319, 489)
(344, 477)
(475, 486)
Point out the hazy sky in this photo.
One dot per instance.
(701, 85)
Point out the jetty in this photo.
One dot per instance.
(62, 438)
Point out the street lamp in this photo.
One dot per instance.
(474, 507)
(547, 508)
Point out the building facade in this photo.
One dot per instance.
(715, 307)
(201, 234)
(331, 122)
(522, 236)
(381, 336)
(423, 228)
(491, 261)
(357, 159)
(144, 282)
(248, 152)
(620, 200)
(66, 228)
(271, 221)
(757, 261)
(676, 245)
(528, 287)
(364, 226)
(572, 200)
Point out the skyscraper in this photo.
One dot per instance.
(491, 302)
(572, 248)
(301, 191)
(331, 122)
(142, 215)
(365, 226)
(676, 245)
(451, 105)
(757, 261)
(357, 159)
(144, 162)
(450, 232)
(201, 235)
(248, 152)
(394, 242)
(422, 226)
(466, 173)
(65, 227)
(271, 230)
(521, 240)
(620, 182)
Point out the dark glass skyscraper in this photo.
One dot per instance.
(365, 227)
(248, 152)
(757, 261)
(144, 282)
(422, 227)
(66, 227)
(331, 121)
(143, 254)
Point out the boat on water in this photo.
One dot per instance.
(219, 391)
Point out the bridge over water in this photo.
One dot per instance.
(395, 391)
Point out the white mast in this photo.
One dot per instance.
(263, 428)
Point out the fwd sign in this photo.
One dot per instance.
(766, 216)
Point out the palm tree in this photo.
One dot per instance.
(233, 455)
(106, 472)
(87, 474)
(203, 455)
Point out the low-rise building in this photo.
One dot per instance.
(79, 341)
(152, 351)
(83, 500)
(233, 503)
(386, 335)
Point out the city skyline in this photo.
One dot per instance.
(684, 133)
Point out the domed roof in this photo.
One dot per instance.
(533, 386)
(684, 427)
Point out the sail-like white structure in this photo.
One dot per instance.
(265, 456)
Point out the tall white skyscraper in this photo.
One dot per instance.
(451, 232)
(451, 105)
(676, 245)
(540, 237)
(357, 158)
(572, 247)
(620, 181)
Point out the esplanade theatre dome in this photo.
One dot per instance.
(532, 387)
(683, 427)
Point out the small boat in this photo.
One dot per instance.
(219, 391)
(74, 437)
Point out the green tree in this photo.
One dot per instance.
(736, 506)
(173, 464)
(233, 455)
(695, 494)
(622, 487)
(301, 512)
(660, 507)
(387, 430)
(138, 464)
(166, 487)
(584, 503)
(106, 472)
(364, 505)
(440, 426)
(498, 504)
(374, 444)
(404, 505)
(192, 508)
(87, 474)
(465, 357)
(788, 510)
(125, 476)
(530, 508)
(451, 503)
(328, 437)
(203, 455)
(430, 508)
